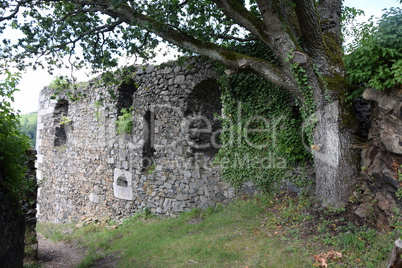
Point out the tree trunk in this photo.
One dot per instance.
(334, 159)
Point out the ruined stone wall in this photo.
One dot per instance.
(381, 157)
(29, 208)
(86, 168)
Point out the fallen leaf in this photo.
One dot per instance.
(322, 258)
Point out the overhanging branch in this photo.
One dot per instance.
(15, 11)
(269, 71)
(239, 14)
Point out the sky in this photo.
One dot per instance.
(26, 100)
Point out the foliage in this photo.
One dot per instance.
(151, 169)
(349, 15)
(307, 109)
(28, 123)
(60, 83)
(13, 144)
(98, 111)
(65, 120)
(124, 123)
(67, 86)
(376, 57)
(260, 137)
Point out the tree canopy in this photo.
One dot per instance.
(107, 29)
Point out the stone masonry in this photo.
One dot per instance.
(381, 157)
(87, 169)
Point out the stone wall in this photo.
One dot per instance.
(381, 156)
(87, 169)
(29, 207)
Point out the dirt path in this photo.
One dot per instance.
(58, 254)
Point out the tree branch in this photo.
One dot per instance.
(228, 37)
(15, 11)
(99, 29)
(239, 14)
(309, 26)
(233, 60)
(279, 38)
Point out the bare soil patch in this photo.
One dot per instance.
(58, 254)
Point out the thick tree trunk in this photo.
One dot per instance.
(334, 159)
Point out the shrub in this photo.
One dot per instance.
(376, 57)
(13, 144)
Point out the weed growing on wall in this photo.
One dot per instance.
(68, 86)
(65, 120)
(124, 123)
(260, 137)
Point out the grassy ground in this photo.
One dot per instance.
(265, 231)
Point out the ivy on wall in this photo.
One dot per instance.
(261, 130)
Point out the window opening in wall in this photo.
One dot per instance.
(125, 95)
(60, 111)
(203, 109)
(149, 135)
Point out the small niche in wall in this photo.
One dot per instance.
(60, 112)
(122, 181)
(125, 95)
(122, 184)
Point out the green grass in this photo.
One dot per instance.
(260, 232)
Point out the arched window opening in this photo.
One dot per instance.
(203, 109)
(125, 95)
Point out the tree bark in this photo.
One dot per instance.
(395, 260)
(334, 159)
